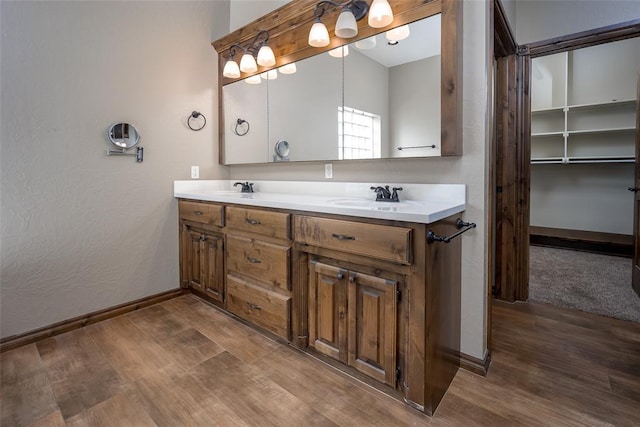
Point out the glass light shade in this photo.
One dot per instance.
(248, 64)
(398, 33)
(253, 80)
(266, 58)
(380, 14)
(231, 69)
(269, 75)
(368, 43)
(339, 52)
(318, 36)
(346, 26)
(288, 68)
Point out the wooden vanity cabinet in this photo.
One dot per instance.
(202, 248)
(353, 319)
(372, 296)
(376, 296)
(258, 254)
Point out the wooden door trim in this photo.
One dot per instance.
(635, 275)
(522, 173)
(608, 34)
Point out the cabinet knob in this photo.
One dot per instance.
(634, 189)
(252, 221)
(253, 260)
(197, 212)
(342, 237)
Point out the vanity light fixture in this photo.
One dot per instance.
(288, 68)
(398, 33)
(253, 80)
(339, 52)
(346, 26)
(380, 14)
(368, 43)
(269, 75)
(248, 64)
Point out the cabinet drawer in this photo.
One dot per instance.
(266, 223)
(260, 306)
(203, 213)
(260, 260)
(372, 240)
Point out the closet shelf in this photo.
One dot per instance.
(588, 159)
(593, 131)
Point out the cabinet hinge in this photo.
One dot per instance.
(399, 295)
(398, 375)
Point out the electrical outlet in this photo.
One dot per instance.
(328, 171)
(195, 172)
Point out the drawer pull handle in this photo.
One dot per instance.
(252, 221)
(343, 237)
(198, 212)
(253, 260)
(254, 306)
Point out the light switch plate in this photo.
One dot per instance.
(195, 172)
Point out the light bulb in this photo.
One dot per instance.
(398, 33)
(231, 69)
(368, 43)
(339, 52)
(318, 36)
(288, 68)
(266, 58)
(248, 64)
(346, 26)
(253, 80)
(380, 14)
(269, 75)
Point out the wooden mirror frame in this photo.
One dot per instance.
(288, 28)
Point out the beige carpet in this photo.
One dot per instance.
(594, 283)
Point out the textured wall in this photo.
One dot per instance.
(82, 231)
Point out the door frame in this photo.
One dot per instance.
(512, 212)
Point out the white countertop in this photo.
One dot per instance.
(421, 203)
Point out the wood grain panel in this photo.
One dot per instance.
(25, 390)
(263, 222)
(240, 340)
(201, 212)
(132, 353)
(259, 260)
(81, 376)
(451, 79)
(372, 326)
(327, 310)
(373, 240)
(121, 410)
(252, 396)
(265, 308)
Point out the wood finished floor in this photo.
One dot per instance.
(184, 363)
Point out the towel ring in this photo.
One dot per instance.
(195, 115)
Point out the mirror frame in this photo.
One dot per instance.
(289, 26)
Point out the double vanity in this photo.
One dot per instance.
(362, 284)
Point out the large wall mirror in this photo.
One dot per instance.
(372, 99)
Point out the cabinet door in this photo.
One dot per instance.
(327, 310)
(192, 259)
(372, 326)
(211, 266)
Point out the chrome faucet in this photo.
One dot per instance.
(247, 187)
(383, 194)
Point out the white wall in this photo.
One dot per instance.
(415, 108)
(590, 197)
(244, 11)
(81, 231)
(469, 169)
(538, 20)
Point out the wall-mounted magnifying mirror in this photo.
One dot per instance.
(282, 150)
(124, 136)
